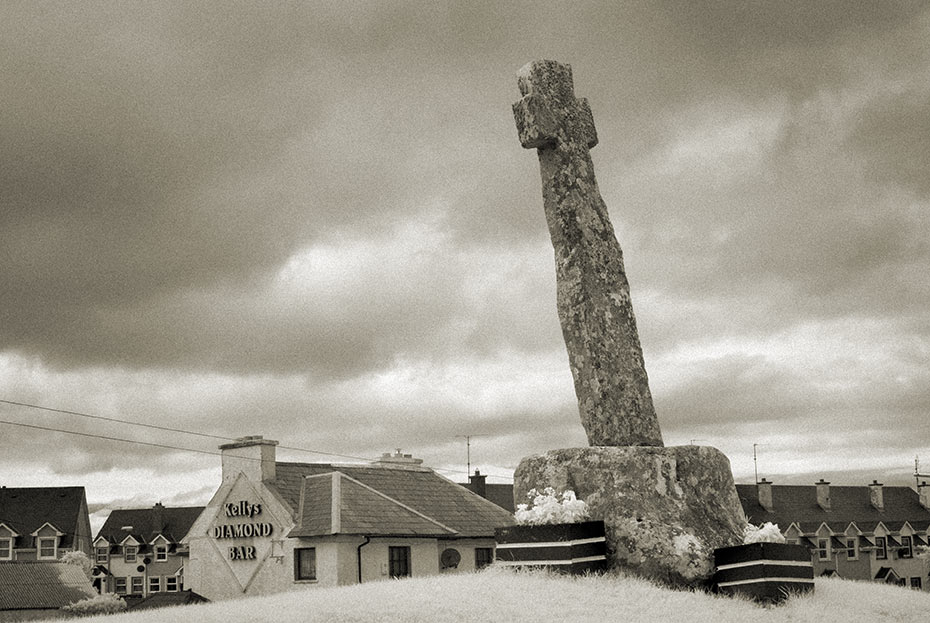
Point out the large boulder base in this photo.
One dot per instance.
(665, 509)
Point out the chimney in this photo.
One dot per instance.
(923, 492)
(158, 518)
(252, 456)
(875, 495)
(823, 494)
(764, 490)
(398, 459)
(477, 483)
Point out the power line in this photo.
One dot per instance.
(173, 430)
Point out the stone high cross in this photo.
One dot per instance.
(593, 295)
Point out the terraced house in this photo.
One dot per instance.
(43, 523)
(868, 532)
(138, 551)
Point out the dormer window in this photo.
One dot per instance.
(161, 553)
(823, 549)
(129, 552)
(881, 548)
(47, 547)
(6, 548)
(102, 555)
(906, 550)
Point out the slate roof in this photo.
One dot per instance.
(147, 523)
(336, 504)
(848, 504)
(42, 585)
(26, 509)
(437, 501)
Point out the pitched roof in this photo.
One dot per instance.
(336, 504)
(848, 504)
(418, 488)
(42, 585)
(147, 523)
(26, 509)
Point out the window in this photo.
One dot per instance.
(305, 563)
(906, 550)
(102, 555)
(171, 583)
(129, 553)
(161, 553)
(47, 547)
(915, 583)
(6, 549)
(852, 549)
(154, 583)
(823, 549)
(399, 562)
(119, 586)
(137, 584)
(881, 548)
(483, 557)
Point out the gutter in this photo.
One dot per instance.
(359, 551)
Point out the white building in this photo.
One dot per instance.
(273, 527)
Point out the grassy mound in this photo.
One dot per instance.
(503, 595)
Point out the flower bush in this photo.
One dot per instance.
(549, 507)
(107, 603)
(766, 533)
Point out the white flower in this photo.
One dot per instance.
(549, 507)
(766, 533)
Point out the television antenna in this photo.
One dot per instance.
(468, 451)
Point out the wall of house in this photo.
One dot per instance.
(466, 548)
(223, 566)
(424, 557)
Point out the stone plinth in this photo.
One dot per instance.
(665, 509)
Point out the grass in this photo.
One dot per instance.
(503, 595)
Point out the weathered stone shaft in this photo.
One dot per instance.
(593, 295)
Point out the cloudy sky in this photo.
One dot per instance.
(314, 222)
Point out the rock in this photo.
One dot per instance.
(665, 509)
(593, 294)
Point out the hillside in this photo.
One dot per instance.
(500, 595)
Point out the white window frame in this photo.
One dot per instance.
(169, 580)
(102, 555)
(6, 543)
(130, 553)
(120, 583)
(161, 553)
(907, 547)
(154, 584)
(39, 547)
(881, 548)
(136, 581)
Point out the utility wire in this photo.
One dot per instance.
(172, 430)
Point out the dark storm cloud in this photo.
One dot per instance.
(315, 222)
